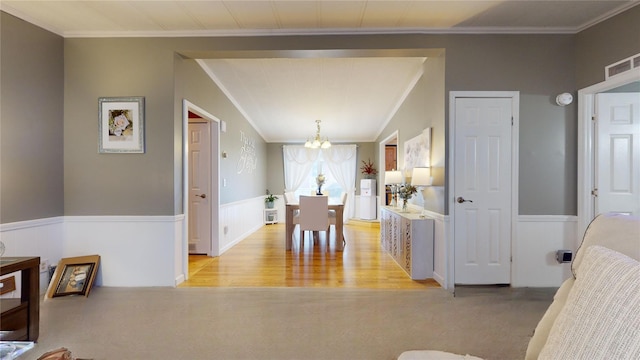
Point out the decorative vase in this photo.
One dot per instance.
(319, 192)
(404, 205)
(269, 204)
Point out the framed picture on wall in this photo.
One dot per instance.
(74, 276)
(121, 124)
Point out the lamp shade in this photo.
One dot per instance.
(393, 177)
(421, 176)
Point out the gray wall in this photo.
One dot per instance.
(423, 108)
(194, 85)
(539, 66)
(605, 44)
(31, 122)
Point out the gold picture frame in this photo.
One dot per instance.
(74, 276)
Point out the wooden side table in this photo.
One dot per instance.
(20, 318)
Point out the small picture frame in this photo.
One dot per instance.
(74, 276)
(121, 124)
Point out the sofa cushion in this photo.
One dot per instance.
(614, 231)
(541, 333)
(600, 319)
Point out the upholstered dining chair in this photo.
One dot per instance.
(314, 215)
(332, 213)
(290, 198)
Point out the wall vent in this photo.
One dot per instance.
(622, 66)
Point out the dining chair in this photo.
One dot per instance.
(290, 198)
(332, 213)
(314, 215)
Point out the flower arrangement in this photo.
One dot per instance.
(320, 179)
(405, 192)
(368, 168)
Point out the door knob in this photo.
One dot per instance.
(461, 200)
(204, 196)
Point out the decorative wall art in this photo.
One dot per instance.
(121, 124)
(248, 160)
(417, 151)
(74, 276)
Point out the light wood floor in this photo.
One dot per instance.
(262, 261)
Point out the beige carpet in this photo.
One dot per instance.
(288, 323)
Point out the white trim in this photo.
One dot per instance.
(540, 237)
(401, 100)
(547, 218)
(28, 224)
(382, 165)
(586, 99)
(515, 146)
(126, 218)
(229, 95)
(214, 178)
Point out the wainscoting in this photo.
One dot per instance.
(534, 250)
(150, 251)
(135, 250)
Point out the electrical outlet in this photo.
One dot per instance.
(44, 265)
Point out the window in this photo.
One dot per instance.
(330, 187)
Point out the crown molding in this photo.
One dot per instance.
(317, 32)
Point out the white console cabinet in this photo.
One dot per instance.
(408, 238)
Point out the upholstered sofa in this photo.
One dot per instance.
(595, 314)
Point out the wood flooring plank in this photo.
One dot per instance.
(261, 260)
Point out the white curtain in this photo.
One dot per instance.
(341, 162)
(298, 162)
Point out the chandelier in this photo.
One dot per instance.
(317, 142)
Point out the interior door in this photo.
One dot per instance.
(482, 190)
(617, 159)
(199, 188)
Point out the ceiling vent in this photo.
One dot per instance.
(625, 65)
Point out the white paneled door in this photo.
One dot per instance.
(482, 190)
(617, 160)
(199, 188)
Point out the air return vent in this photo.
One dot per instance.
(618, 68)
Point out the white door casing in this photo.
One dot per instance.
(617, 160)
(483, 180)
(199, 188)
(586, 144)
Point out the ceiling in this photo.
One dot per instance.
(282, 97)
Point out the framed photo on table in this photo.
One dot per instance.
(121, 124)
(74, 276)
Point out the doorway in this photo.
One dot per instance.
(211, 177)
(587, 138)
(387, 163)
(483, 181)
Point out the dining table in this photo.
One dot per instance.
(291, 209)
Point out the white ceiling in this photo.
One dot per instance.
(283, 97)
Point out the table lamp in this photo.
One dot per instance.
(393, 178)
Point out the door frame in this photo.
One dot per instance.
(515, 145)
(381, 165)
(586, 151)
(214, 179)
